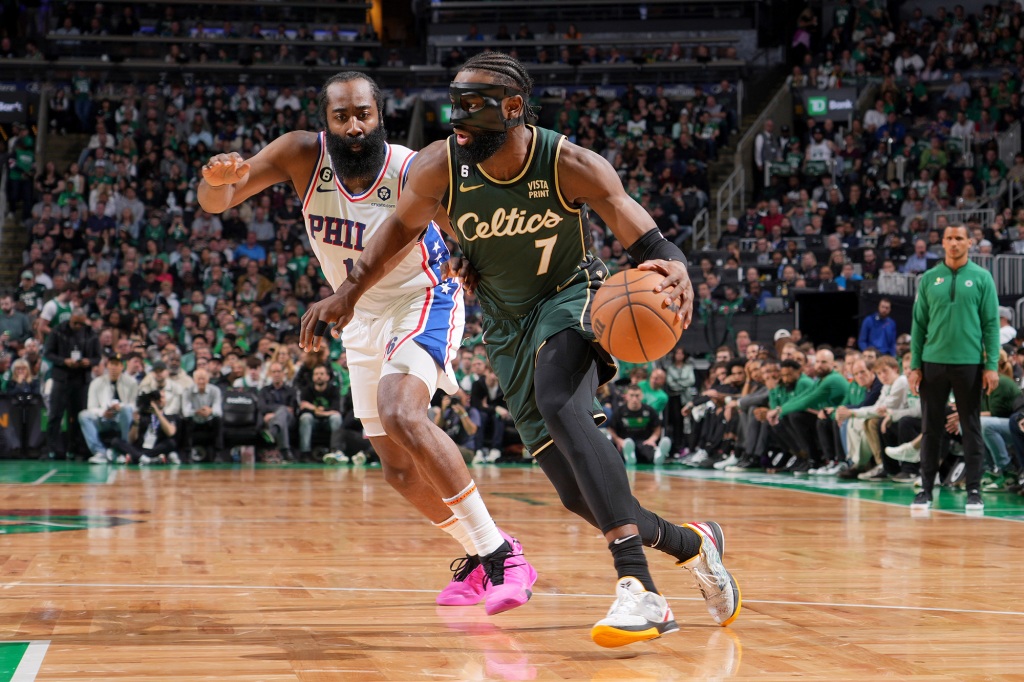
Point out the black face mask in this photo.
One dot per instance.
(477, 106)
(366, 162)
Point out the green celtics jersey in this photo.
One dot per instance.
(63, 312)
(524, 238)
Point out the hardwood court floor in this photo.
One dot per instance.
(325, 574)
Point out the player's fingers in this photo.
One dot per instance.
(468, 275)
(472, 281)
(656, 265)
(304, 330)
(446, 269)
(311, 322)
(241, 170)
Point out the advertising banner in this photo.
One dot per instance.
(837, 104)
(14, 106)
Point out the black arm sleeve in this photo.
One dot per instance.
(653, 245)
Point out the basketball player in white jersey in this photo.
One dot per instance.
(404, 334)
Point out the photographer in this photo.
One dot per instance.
(459, 423)
(158, 379)
(151, 437)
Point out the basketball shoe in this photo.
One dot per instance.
(508, 577)
(467, 585)
(721, 593)
(635, 616)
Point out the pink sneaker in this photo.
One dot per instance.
(509, 577)
(467, 585)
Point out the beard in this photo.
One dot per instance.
(483, 145)
(349, 163)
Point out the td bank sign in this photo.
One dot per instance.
(837, 104)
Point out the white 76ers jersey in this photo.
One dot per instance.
(340, 224)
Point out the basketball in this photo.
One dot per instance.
(631, 321)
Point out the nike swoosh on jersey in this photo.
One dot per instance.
(329, 189)
(463, 188)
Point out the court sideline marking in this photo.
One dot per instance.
(683, 476)
(44, 477)
(31, 661)
(572, 595)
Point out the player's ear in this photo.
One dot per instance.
(514, 106)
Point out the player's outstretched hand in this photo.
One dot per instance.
(677, 286)
(460, 268)
(335, 309)
(225, 169)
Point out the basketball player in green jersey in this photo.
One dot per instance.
(514, 193)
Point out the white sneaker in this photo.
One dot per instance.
(721, 593)
(692, 455)
(336, 457)
(837, 468)
(493, 455)
(98, 458)
(359, 459)
(727, 462)
(872, 474)
(697, 458)
(661, 454)
(173, 458)
(902, 453)
(822, 470)
(479, 457)
(629, 451)
(636, 616)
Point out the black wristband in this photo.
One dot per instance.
(320, 328)
(654, 245)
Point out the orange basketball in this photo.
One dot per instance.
(631, 321)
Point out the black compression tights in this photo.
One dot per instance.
(582, 464)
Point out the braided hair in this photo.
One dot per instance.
(345, 77)
(510, 71)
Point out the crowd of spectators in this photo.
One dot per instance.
(946, 86)
(118, 235)
(118, 242)
(178, 297)
(806, 410)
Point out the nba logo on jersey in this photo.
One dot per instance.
(390, 348)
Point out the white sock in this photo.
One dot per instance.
(469, 508)
(454, 527)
